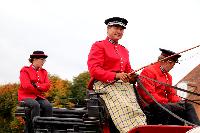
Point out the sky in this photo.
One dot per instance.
(66, 29)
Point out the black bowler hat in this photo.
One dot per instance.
(116, 21)
(38, 54)
(167, 53)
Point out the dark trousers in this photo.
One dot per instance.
(38, 107)
(185, 110)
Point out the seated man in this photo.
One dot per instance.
(109, 68)
(165, 95)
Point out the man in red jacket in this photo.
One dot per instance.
(33, 83)
(165, 95)
(108, 61)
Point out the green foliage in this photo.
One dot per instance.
(8, 102)
(8, 99)
(4, 126)
(78, 90)
(59, 91)
(16, 125)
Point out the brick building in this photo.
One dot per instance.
(192, 81)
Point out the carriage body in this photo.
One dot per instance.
(94, 118)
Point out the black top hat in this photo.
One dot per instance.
(167, 53)
(116, 21)
(38, 54)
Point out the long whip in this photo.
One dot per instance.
(152, 64)
(165, 58)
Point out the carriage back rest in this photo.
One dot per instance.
(22, 110)
(96, 105)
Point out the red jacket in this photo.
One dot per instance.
(105, 59)
(163, 94)
(39, 77)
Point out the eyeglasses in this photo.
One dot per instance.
(43, 59)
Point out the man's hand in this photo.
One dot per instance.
(177, 106)
(133, 77)
(125, 77)
(35, 86)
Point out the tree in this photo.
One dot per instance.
(8, 102)
(59, 91)
(78, 90)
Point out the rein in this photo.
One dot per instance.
(177, 88)
(155, 63)
(171, 113)
(165, 58)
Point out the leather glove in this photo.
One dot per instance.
(177, 106)
(133, 77)
(34, 85)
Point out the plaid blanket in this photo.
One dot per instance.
(122, 105)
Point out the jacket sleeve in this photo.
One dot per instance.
(151, 87)
(173, 98)
(95, 64)
(44, 87)
(25, 82)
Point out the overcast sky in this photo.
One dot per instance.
(66, 29)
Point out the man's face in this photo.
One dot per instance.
(169, 64)
(115, 32)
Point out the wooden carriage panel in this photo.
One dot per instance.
(160, 129)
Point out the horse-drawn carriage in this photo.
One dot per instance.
(93, 118)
